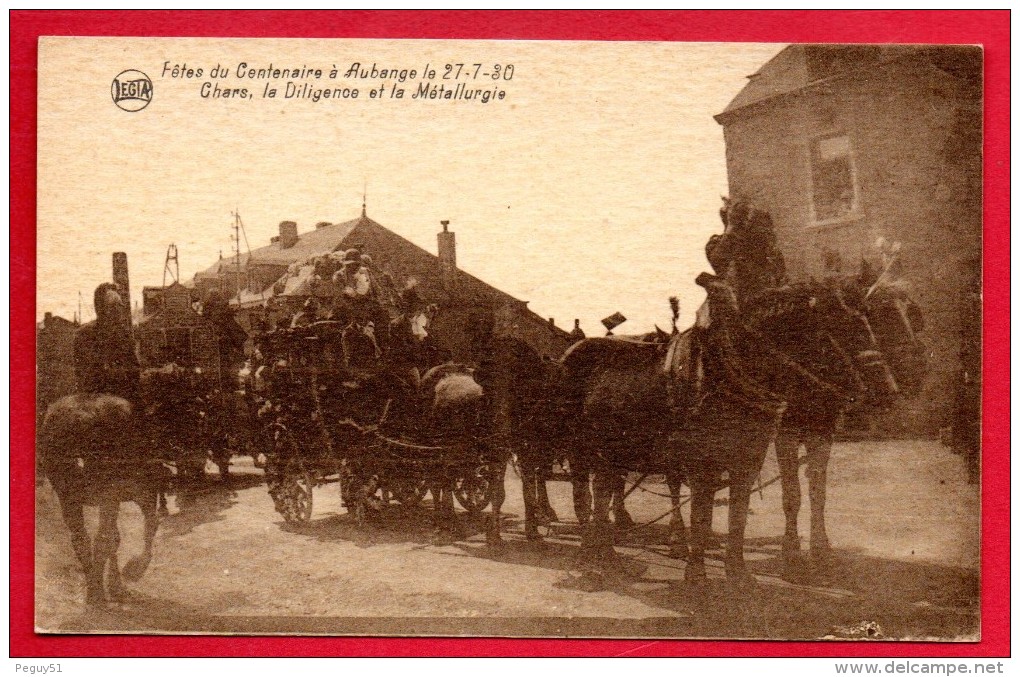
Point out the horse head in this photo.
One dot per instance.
(894, 321)
(873, 325)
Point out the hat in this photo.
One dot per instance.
(613, 321)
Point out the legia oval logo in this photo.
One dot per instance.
(131, 90)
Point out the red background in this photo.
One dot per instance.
(989, 28)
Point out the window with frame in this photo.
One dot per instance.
(834, 192)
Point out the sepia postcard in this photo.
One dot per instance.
(561, 339)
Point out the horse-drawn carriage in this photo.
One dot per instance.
(192, 386)
(336, 410)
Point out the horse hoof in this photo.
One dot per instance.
(135, 568)
(547, 517)
(695, 575)
(623, 520)
(791, 545)
(680, 552)
(493, 538)
(119, 594)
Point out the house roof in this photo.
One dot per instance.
(322, 240)
(222, 267)
(798, 67)
(328, 238)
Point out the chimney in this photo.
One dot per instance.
(447, 256)
(120, 278)
(288, 234)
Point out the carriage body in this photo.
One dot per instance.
(333, 414)
(195, 399)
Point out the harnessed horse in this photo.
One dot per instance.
(891, 321)
(94, 452)
(711, 406)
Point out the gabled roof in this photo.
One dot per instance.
(222, 267)
(798, 67)
(359, 231)
(316, 242)
(322, 240)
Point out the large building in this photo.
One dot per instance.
(846, 144)
(254, 279)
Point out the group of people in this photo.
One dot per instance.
(745, 256)
(346, 287)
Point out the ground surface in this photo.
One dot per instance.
(903, 522)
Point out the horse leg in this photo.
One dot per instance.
(819, 449)
(74, 517)
(446, 516)
(497, 484)
(597, 538)
(702, 497)
(677, 530)
(136, 566)
(114, 584)
(529, 487)
(103, 551)
(621, 517)
(787, 449)
(545, 509)
(740, 499)
(582, 495)
(596, 548)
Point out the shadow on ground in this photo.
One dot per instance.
(854, 597)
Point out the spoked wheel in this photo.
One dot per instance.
(290, 482)
(297, 485)
(473, 491)
(409, 493)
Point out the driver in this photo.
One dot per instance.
(104, 352)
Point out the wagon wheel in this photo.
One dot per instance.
(473, 491)
(290, 482)
(190, 464)
(409, 493)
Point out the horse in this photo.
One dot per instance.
(712, 405)
(895, 320)
(92, 450)
(617, 396)
(528, 419)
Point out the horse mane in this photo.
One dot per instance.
(604, 352)
(779, 306)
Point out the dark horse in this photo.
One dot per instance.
(711, 405)
(91, 450)
(529, 419)
(895, 321)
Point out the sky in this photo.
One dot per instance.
(590, 188)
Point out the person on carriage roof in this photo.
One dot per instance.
(230, 336)
(746, 255)
(308, 314)
(105, 360)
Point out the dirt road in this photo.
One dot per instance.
(902, 520)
